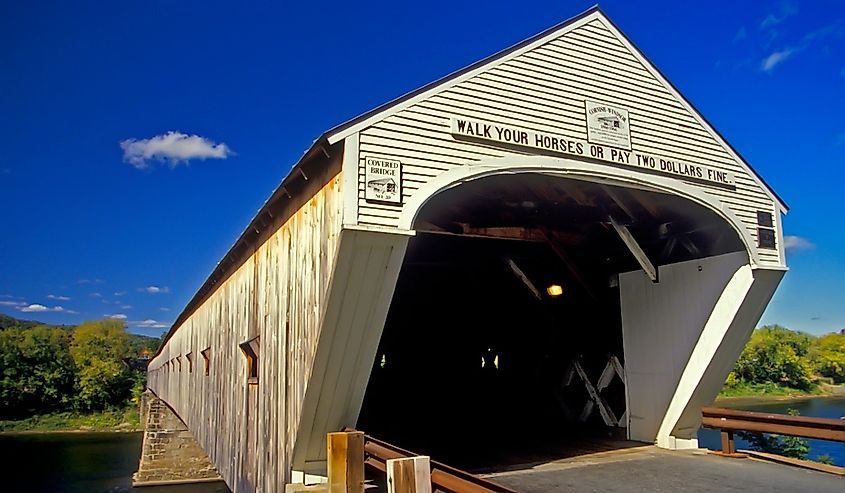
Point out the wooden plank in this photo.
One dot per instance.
(276, 292)
(345, 453)
(570, 265)
(635, 249)
(595, 400)
(409, 475)
(522, 277)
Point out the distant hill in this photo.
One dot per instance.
(140, 345)
(7, 322)
(143, 345)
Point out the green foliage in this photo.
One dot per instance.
(36, 370)
(776, 355)
(56, 376)
(140, 346)
(776, 444)
(828, 356)
(786, 446)
(825, 459)
(104, 340)
(98, 349)
(779, 361)
(7, 322)
(126, 418)
(740, 388)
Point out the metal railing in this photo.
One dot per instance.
(730, 421)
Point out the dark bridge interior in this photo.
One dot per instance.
(473, 358)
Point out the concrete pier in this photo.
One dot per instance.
(170, 454)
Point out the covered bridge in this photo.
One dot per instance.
(552, 238)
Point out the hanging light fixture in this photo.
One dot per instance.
(554, 290)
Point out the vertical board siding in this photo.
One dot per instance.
(544, 90)
(279, 295)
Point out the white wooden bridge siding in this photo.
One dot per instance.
(544, 90)
(279, 294)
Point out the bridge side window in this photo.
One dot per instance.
(206, 360)
(251, 348)
(179, 363)
(190, 358)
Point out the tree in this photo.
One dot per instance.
(779, 355)
(98, 349)
(37, 373)
(828, 356)
(787, 446)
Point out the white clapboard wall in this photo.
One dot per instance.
(544, 89)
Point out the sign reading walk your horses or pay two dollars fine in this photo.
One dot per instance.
(383, 180)
(515, 137)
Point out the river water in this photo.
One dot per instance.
(817, 407)
(104, 462)
(78, 463)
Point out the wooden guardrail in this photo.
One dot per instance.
(349, 451)
(730, 421)
(446, 479)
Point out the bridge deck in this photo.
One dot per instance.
(656, 470)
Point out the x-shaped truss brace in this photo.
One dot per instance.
(596, 400)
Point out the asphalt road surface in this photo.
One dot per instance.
(656, 470)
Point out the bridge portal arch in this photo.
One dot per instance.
(473, 314)
(577, 170)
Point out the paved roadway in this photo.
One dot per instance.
(655, 470)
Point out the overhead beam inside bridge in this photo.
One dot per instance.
(635, 249)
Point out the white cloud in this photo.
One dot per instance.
(793, 243)
(740, 34)
(775, 59)
(155, 289)
(58, 297)
(150, 324)
(117, 316)
(125, 307)
(35, 307)
(119, 293)
(12, 303)
(90, 281)
(164, 309)
(173, 148)
(785, 11)
(96, 295)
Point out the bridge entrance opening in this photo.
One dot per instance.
(504, 343)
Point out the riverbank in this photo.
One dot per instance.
(117, 420)
(776, 393)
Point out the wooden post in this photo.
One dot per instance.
(346, 462)
(409, 475)
(728, 443)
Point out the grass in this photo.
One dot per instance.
(124, 419)
(769, 389)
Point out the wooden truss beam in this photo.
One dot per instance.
(522, 277)
(567, 262)
(634, 247)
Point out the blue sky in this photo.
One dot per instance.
(233, 93)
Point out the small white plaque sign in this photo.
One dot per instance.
(607, 125)
(383, 180)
